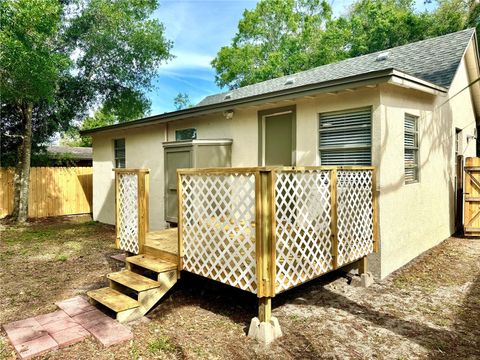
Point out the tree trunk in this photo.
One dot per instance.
(22, 170)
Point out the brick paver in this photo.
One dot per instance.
(111, 333)
(70, 336)
(36, 347)
(75, 305)
(75, 320)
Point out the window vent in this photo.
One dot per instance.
(382, 56)
(228, 96)
(290, 81)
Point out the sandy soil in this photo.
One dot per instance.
(430, 309)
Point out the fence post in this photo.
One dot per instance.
(333, 214)
(143, 223)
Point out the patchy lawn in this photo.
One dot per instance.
(427, 310)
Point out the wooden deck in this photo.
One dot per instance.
(163, 244)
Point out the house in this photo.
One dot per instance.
(410, 111)
(73, 155)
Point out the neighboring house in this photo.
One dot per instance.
(75, 156)
(408, 110)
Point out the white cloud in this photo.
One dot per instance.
(188, 60)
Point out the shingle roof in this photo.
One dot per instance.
(434, 60)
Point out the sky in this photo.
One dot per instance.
(198, 30)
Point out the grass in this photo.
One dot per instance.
(160, 344)
(427, 310)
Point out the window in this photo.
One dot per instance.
(346, 137)
(186, 134)
(119, 147)
(411, 148)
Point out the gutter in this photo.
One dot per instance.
(370, 78)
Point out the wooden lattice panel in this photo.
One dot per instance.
(218, 228)
(354, 215)
(303, 220)
(128, 211)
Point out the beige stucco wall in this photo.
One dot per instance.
(415, 217)
(412, 218)
(143, 150)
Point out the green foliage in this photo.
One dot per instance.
(276, 38)
(182, 101)
(160, 344)
(67, 57)
(101, 118)
(283, 37)
(30, 61)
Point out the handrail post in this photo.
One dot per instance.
(375, 211)
(333, 215)
(180, 220)
(143, 205)
(265, 328)
(265, 232)
(117, 211)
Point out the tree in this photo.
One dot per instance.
(100, 118)
(276, 38)
(182, 101)
(283, 37)
(60, 58)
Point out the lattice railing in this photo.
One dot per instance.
(218, 227)
(354, 215)
(303, 226)
(266, 230)
(131, 195)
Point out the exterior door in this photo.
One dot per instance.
(278, 139)
(174, 159)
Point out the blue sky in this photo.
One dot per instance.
(198, 30)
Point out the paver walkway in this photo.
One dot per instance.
(75, 320)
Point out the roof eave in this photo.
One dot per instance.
(356, 81)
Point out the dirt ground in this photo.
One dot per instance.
(429, 309)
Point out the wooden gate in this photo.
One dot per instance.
(471, 217)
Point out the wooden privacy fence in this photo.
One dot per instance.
(54, 191)
(266, 230)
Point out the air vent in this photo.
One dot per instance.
(228, 96)
(382, 56)
(290, 81)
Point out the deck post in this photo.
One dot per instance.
(117, 211)
(143, 190)
(265, 328)
(333, 214)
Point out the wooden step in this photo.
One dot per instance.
(161, 254)
(113, 299)
(133, 281)
(152, 263)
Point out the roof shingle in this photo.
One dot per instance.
(435, 60)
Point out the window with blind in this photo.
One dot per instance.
(119, 150)
(411, 148)
(346, 137)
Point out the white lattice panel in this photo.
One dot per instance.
(128, 211)
(303, 217)
(219, 228)
(354, 215)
